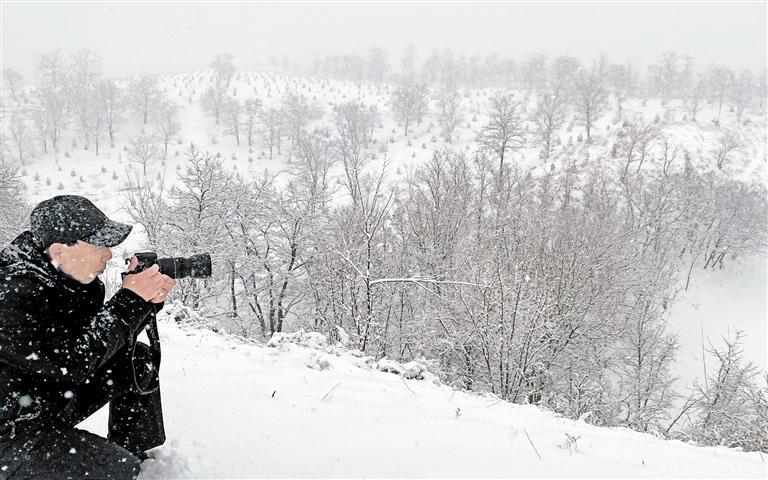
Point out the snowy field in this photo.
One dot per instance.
(303, 409)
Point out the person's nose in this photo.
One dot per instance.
(108, 255)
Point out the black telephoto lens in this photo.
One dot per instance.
(196, 266)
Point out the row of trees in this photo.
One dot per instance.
(73, 93)
(548, 289)
(673, 76)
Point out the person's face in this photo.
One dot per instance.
(82, 261)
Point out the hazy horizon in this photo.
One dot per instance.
(161, 38)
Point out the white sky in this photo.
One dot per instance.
(135, 38)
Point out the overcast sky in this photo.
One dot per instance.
(134, 38)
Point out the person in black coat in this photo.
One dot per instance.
(64, 353)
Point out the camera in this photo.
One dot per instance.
(196, 266)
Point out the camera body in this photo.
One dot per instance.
(195, 266)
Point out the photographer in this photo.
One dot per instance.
(64, 353)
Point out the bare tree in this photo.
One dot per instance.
(635, 143)
(19, 128)
(14, 82)
(372, 120)
(84, 72)
(590, 99)
(143, 149)
(270, 122)
(534, 73)
(97, 118)
(562, 75)
(40, 121)
(144, 93)
(111, 98)
(742, 91)
(664, 76)
(449, 103)
(52, 94)
(233, 111)
(729, 143)
(223, 67)
(298, 111)
(52, 70)
(408, 103)
(378, 64)
(251, 110)
(694, 96)
(730, 408)
(719, 82)
(214, 97)
(166, 120)
(621, 83)
(503, 130)
(52, 102)
(549, 116)
(407, 62)
(212, 100)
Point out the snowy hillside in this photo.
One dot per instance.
(301, 408)
(107, 178)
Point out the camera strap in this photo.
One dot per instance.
(155, 355)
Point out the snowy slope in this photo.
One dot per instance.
(718, 303)
(221, 418)
(334, 415)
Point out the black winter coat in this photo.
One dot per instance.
(54, 333)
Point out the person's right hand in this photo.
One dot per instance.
(147, 284)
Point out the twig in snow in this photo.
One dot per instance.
(406, 386)
(534, 446)
(328, 395)
(494, 403)
(273, 393)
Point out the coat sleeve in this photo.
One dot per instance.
(37, 340)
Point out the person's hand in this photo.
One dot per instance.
(134, 263)
(168, 284)
(148, 284)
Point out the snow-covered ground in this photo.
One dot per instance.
(718, 303)
(304, 409)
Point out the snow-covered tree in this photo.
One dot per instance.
(731, 409)
(112, 99)
(408, 101)
(84, 73)
(143, 149)
(548, 117)
(504, 128)
(144, 93)
(251, 110)
(232, 109)
(223, 67)
(14, 83)
(270, 128)
(166, 121)
(21, 134)
(590, 98)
